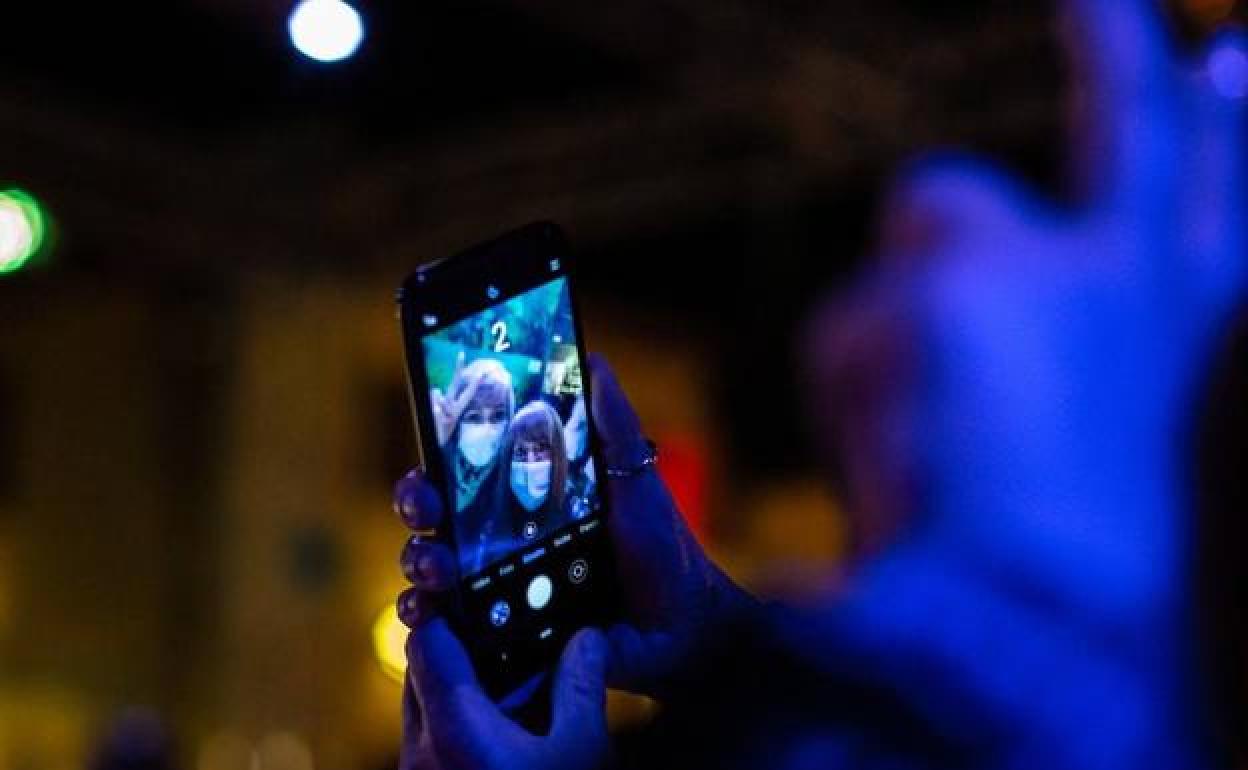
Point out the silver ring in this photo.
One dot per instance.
(648, 461)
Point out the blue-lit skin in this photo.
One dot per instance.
(1058, 356)
(1033, 606)
(1228, 71)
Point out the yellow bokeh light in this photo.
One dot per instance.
(389, 637)
(226, 750)
(284, 751)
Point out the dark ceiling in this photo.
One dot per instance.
(624, 120)
(716, 161)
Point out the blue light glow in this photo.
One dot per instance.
(1228, 71)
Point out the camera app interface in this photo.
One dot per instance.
(510, 415)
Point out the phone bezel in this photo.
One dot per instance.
(454, 288)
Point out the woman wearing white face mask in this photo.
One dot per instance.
(535, 482)
(472, 418)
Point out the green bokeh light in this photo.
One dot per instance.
(23, 229)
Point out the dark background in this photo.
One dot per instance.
(201, 398)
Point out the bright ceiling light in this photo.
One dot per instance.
(325, 30)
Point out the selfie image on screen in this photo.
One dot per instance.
(510, 415)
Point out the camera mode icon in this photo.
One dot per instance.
(500, 613)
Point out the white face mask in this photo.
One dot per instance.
(530, 483)
(479, 442)
(575, 439)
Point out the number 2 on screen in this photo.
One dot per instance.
(499, 330)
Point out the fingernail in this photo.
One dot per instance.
(424, 565)
(407, 563)
(407, 609)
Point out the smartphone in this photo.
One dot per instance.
(496, 374)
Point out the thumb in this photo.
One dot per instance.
(439, 668)
(458, 718)
(580, 696)
(617, 423)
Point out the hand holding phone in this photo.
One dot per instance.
(449, 720)
(670, 590)
(671, 595)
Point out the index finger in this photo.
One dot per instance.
(1127, 76)
(618, 425)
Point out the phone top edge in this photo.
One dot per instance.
(442, 292)
(542, 234)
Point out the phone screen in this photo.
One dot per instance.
(506, 389)
(501, 396)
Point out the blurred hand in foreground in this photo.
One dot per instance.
(1014, 388)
